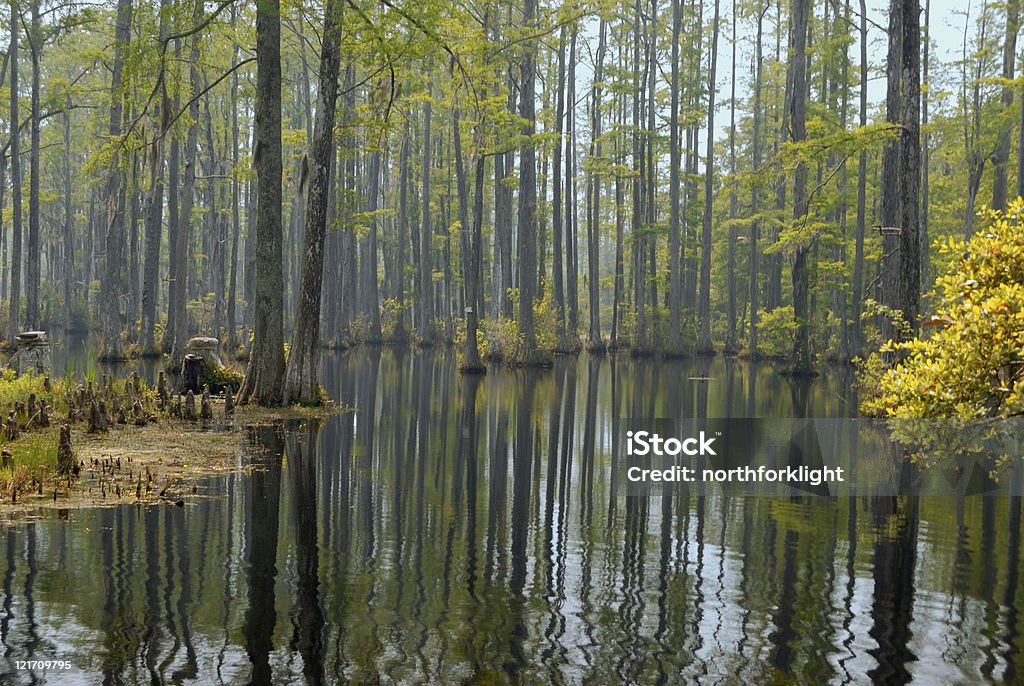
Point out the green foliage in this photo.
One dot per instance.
(219, 378)
(391, 320)
(776, 331)
(971, 365)
(500, 339)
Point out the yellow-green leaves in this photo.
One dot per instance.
(970, 362)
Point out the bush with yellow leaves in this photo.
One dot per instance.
(972, 364)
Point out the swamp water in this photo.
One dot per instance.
(465, 530)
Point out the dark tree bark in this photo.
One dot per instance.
(302, 380)
(571, 225)
(236, 220)
(557, 251)
(69, 223)
(704, 340)
(925, 245)
(801, 358)
(901, 170)
(179, 287)
(639, 170)
(755, 290)
(862, 181)
(731, 345)
(595, 342)
(155, 203)
(32, 258)
(14, 316)
(426, 275)
(1001, 156)
(474, 269)
(173, 225)
(528, 191)
(263, 383)
(114, 250)
(675, 267)
(403, 228)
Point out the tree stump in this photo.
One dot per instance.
(32, 409)
(190, 406)
(205, 408)
(140, 414)
(44, 414)
(161, 390)
(98, 417)
(176, 406)
(191, 372)
(229, 402)
(12, 427)
(6, 458)
(65, 456)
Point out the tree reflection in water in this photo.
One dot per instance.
(469, 529)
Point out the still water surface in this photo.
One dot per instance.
(465, 530)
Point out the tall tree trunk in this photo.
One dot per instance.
(755, 225)
(639, 169)
(862, 182)
(368, 266)
(798, 107)
(134, 210)
(620, 221)
(32, 263)
(155, 199)
(571, 243)
(675, 266)
(403, 228)
(265, 374)
(173, 224)
(909, 294)
(925, 244)
(473, 263)
(556, 204)
(528, 191)
(503, 168)
(69, 222)
(426, 269)
(215, 227)
(1001, 155)
(179, 287)
(901, 169)
(14, 310)
(731, 345)
(595, 342)
(236, 220)
(114, 250)
(302, 382)
(704, 341)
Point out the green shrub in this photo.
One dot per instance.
(776, 331)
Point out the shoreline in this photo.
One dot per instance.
(161, 463)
